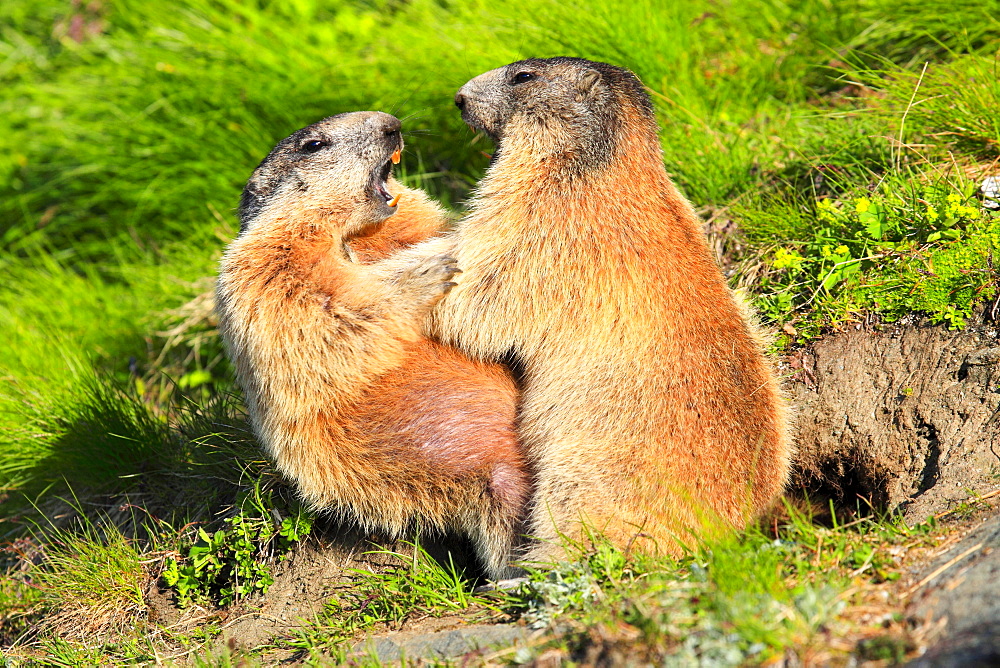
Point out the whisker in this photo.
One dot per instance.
(420, 113)
(402, 103)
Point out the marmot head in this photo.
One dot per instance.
(568, 106)
(339, 166)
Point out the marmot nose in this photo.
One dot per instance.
(387, 123)
(460, 101)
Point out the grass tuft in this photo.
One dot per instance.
(92, 580)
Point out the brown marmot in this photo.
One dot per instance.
(648, 408)
(368, 417)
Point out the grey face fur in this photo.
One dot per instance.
(342, 160)
(575, 104)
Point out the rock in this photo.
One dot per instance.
(902, 417)
(961, 604)
(442, 644)
(990, 190)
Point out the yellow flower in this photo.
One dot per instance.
(826, 250)
(826, 211)
(954, 199)
(862, 204)
(784, 259)
(842, 250)
(967, 212)
(931, 213)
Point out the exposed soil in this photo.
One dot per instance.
(905, 417)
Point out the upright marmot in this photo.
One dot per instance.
(367, 416)
(648, 407)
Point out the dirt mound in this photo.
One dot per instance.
(902, 417)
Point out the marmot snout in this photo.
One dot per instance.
(367, 417)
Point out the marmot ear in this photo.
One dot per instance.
(586, 83)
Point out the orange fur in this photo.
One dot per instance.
(648, 407)
(367, 416)
(417, 219)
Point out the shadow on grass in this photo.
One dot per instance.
(109, 445)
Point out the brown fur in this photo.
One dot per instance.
(367, 416)
(648, 407)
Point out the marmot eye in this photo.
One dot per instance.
(312, 146)
(521, 77)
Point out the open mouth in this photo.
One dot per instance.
(381, 180)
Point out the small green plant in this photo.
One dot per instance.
(200, 636)
(890, 252)
(890, 649)
(234, 561)
(577, 584)
(868, 557)
(953, 316)
(968, 507)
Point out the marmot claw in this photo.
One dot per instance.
(430, 277)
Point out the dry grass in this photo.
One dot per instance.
(92, 584)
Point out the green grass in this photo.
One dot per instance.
(75, 594)
(146, 131)
(742, 600)
(79, 342)
(93, 580)
(842, 141)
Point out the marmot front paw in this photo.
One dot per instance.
(429, 278)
